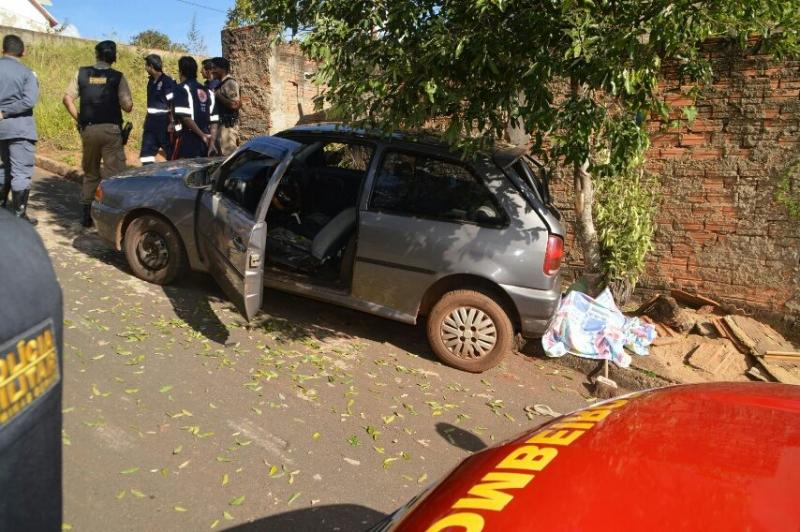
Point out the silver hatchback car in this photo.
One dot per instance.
(396, 227)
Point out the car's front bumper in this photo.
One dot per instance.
(106, 221)
(535, 307)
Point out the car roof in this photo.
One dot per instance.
(699, 457)
(503, 154)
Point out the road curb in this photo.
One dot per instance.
(60, 169)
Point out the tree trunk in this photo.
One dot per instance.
(584, 218)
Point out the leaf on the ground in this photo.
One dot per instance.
(388, 419)
(164, 472)
(68, 410)
(273, 470)
(256, 410)
(225, 479)
(166, 388)
(422, 478)
(238, 501)
(222, 458)
(177, 450)
(350, 404)
(215, 524)
(227, 515)
(351, 461)
(316, 436)
(179, 509)
(121, 494)
(130, 471)
(184, 464)
(353, 441)
(378, 450)
(387, 462)
(66, 526)
(65, 438)
(293, 497)
(131, 391)
(372, 431)
(138, 494)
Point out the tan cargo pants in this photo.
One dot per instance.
(101, 143)
(228, 140)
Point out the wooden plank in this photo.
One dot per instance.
(789, 358)
(780, 373)
(790, 354)
(761, 338)
(692, 300)
(646, 305)
(738, 333)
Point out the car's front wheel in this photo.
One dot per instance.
(154, 250)
(469, 330)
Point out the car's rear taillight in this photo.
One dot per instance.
(98, 194)
(553, 255)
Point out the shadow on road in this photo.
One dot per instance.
(190, 297)
(460, 438)
(289, 317)
(334, 517)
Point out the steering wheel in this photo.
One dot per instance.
(288, 197)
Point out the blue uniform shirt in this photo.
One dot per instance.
(19, 90)
(193, 100)
(160, 94)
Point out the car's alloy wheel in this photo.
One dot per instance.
(469, 333)
(152, 251)
(470, 330)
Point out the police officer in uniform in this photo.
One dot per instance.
(104, 93)
(160, 92)
(19, 90)
(228, 104)
(30, 382)
(211, 82)
(196, 112)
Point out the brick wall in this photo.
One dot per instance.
(276, 91)
(719, 229)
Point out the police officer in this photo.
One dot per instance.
(228, 104)
(196, 111)
(104, 93)
(211, 82)
(19, 90)
(30, 382)
(160, 92)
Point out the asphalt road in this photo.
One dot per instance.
(180, 416)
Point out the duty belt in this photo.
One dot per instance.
(154, 111)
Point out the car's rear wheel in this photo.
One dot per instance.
(469, 330)
(154, 250)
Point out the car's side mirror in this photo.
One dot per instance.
(197, 179)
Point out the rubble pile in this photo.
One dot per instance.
(701, 340)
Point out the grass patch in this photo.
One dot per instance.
(56, 62)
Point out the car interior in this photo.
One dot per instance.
(312, 220)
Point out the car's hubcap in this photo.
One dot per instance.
(469, 332)
(152, 251)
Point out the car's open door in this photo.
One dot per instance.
(231, 218)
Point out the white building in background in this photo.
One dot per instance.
(32, 15)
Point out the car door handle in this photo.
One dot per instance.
(238, 244)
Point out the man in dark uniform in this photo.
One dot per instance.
(196, 112)
(104, 93)
(30, 382)
(160, 92)
(19, 91)
(210, 78)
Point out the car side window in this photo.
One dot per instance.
(419, 185)
(244, 178)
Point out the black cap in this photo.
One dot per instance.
(106, 51)
(154, 60)
(221, 62)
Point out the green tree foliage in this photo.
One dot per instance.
(241, 14)
(579, 75)
(154, 39)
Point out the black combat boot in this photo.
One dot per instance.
(20, 201)
(86, 216)
(4, 193)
